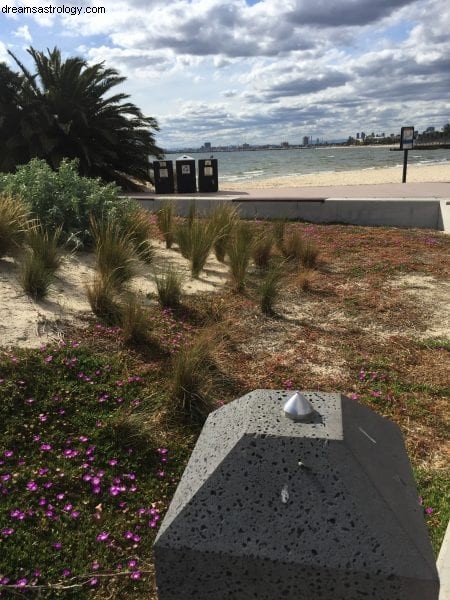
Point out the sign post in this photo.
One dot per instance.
(406, 143)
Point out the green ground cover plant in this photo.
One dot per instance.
(96, 431)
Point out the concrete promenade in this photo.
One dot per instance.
(412, 205)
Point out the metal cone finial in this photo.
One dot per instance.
(298, 408)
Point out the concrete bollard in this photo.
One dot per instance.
(315, 501)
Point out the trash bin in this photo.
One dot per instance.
(207, 175)
(186, 177)
(163, 174)
(296, 496)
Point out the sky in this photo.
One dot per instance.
(257, 72)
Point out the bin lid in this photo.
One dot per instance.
(185, 157)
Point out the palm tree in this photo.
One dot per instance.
(66, 112)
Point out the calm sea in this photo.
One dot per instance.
(248, 165)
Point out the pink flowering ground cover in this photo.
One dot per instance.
(83, 481)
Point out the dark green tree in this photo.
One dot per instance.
(66, 109)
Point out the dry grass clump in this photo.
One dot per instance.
(262, 249)
(224, 219)
(46, 246)
(165, 219)
(278, 230)
(269, 289)
(191, 380)
(14, 220)
(195, 238)
(296, 248)
(34, 276)
(116, 259)
(138, 225)
(136, 325)
(239, 254)
(101, 295)
(169, 286)
(305, 279)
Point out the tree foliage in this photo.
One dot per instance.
(69, 109)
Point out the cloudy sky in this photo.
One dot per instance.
(237, 71)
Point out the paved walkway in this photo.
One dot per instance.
(381, 190)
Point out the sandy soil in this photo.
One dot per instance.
(30, 324)
(27, 323)
(416, 174)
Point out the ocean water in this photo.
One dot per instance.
(248, 166)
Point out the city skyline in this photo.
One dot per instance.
(256, 70)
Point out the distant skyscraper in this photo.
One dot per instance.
(306, 140)
(207, 145)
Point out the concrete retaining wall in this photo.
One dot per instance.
(424, 213)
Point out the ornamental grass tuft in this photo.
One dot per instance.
(239, 254)
(190, 391)
(165, 220)
(116, 259)
(35, 278)
(269, 289)
(224, 219)
(46, 246)
(101, 295)
(136, 325)
(262, 249)
(169, 287)
(14, 221)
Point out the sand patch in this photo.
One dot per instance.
(433, 295)
(26, 323)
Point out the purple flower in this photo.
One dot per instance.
(6, 477)
(112, 462)
(128, 535)
(83, 438)
(75, 514)
(66, 573)
(46, 447)
(135, 575)
(7, 531)
(429, 511)
(8, 453)
(48, 359)
(93, 581)
(21, 582)
(95, 565)
(43, 471)
(57, 545)
(102, 537)
(32, 486)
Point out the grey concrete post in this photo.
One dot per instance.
(318, 508)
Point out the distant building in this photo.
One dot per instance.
(207, 145)
(306, 140)
(357, 136)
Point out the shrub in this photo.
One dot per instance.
(239, 253)
(191, 373)
(45, 246)
(13, 223)
(169, 287)
(115, 253)
(165, 220)
(101, 296)
(202, 237)
(224, 218)
(262, 249)
(136, 325)
(304, 279)
(269, 289)
(34, 277)
(62, 198)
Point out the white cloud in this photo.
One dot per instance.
(24, 33)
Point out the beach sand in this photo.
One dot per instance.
(415, 174)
